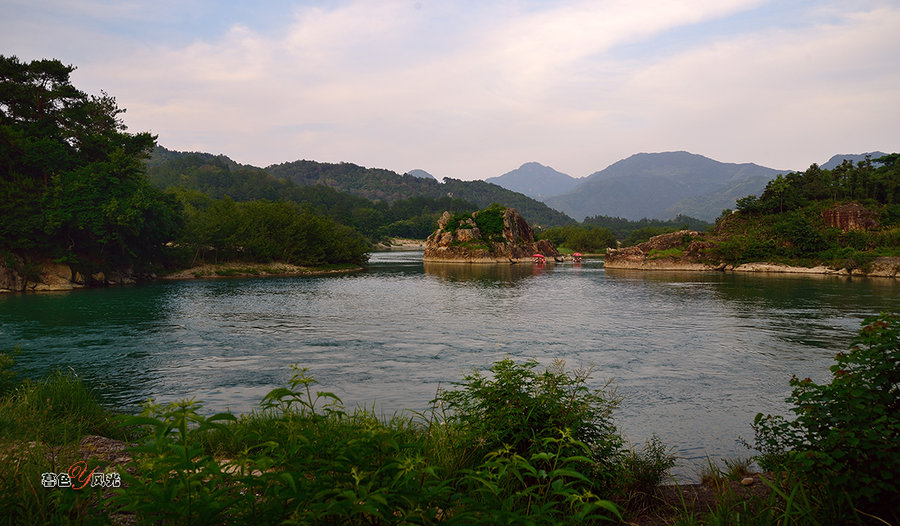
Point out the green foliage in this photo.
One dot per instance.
(302, 459)
(56, 410)
(642, 471)
(71, 177)
(520, 407)
(845, 438)
(490, 222)
(872, 179)
(260, 231)
(176, 479)
(624, 229)
(580, 238)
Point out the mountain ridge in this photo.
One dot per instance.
(535, 180)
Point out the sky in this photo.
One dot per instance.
(473, 89)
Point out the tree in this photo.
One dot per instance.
(73, 178)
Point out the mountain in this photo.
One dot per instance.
(422, 174)
(854, 158)
(386, 185)
(535, 180)
(661, 185)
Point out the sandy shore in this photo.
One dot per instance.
(402, 244)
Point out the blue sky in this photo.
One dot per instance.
(471, 90)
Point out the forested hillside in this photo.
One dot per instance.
(219, 177)
(380, 184)
(75, 192)
(844, 217)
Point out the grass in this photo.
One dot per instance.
(301, 458)
(668, 253)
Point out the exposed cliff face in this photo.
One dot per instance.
(851, 216)
(501, 238)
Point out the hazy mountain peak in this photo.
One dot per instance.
(421, 174)
(854, 158)
(655, 185)
(535, 180)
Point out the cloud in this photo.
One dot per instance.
(473, 89)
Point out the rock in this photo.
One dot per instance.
(851, 216)
(642, 257)
(747, 481)
(465, 241)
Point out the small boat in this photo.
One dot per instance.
(538, 258)
(576, 257)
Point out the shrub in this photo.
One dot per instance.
(521, 407)
(845, 438)
(490, 222)
(642, 471)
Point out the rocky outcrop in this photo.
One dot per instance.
(851, 216)
(460, 239)
(675, 251)
(682, 251)
(16, 275)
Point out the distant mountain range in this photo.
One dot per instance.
(645, 185)
(649, 185)
(536, 180)
(662, 185)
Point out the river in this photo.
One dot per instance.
(694, 355)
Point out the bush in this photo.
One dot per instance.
(490, 222)
(845, 439)
(520, 407)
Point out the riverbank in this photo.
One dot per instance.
(57, 277)
(687, 251)
(64, 440)
(246, 270)
(398, 243)
(884, 267)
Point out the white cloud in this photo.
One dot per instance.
(473, 90)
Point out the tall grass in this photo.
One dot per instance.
(41, 423)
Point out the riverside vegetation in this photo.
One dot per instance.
(516, 445)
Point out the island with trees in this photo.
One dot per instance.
(840, 221)
(496, 234)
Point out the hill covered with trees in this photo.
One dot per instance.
(846, 218)
(389, 186)
(75, 192)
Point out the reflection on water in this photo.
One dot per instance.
(696, 355)
(501, 274)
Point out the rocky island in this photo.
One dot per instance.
(494, 235)
(738, 244)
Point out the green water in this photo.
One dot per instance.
(695, 355)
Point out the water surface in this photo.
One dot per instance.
(695, 355)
